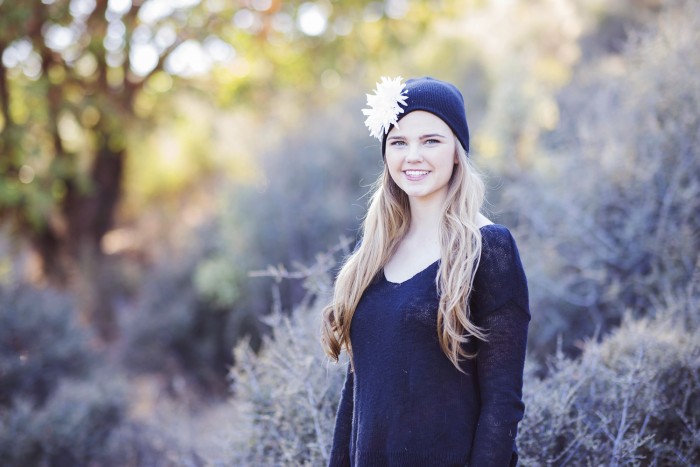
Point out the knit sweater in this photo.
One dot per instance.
(405, 404)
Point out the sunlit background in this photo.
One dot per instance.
(179, 178)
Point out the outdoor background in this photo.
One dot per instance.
(179, 180)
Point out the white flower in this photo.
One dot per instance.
(384, 106)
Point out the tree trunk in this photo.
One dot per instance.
(89, 214)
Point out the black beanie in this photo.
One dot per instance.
(439, 98)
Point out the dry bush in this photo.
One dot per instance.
(86, 423)
(70, 429)
(288, 393)
(61, 401)
(632, 399)
(178, 331)
(610, 219)
(41, 342)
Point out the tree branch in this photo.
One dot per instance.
(4, 93)
(97, 30)
(53, 98)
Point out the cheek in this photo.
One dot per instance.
(394, 177)
(393, 165)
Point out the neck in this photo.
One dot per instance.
(425, 217)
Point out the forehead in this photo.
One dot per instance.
(420, 122)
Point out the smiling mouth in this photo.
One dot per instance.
(416, 173)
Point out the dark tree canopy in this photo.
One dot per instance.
(74, 77)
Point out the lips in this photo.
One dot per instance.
(415, 175)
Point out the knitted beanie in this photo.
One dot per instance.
(439, 98)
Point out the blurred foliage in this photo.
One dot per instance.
(632, 399)
(85, 423)
(61, 401)
(611, 217)
(40, 343)
(71, 429)
(286, 396)
(310, 195)
(188, 318)
(216, 280)
(80, 79)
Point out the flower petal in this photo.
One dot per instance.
(385, 106)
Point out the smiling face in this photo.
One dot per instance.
(420, 156)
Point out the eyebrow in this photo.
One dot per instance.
(430, 135)
(433, 135)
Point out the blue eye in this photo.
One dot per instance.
(398, 143)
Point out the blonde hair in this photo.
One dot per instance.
(385, 225)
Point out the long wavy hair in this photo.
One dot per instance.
(385, 225)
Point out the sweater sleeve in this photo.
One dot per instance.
(340, 452)
(500, 306)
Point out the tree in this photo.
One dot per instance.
(69, 84)
(73, 79)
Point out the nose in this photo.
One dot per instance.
(414, 153)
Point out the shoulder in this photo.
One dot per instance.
(497, 243)
(500, 276)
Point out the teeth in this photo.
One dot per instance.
(416, 173)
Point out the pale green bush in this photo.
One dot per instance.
(632, 399)
(85, 423)
(179, 330)
(609, 218)
(41, 342)
(288, 393)
(61, 401)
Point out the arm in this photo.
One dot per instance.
(500, 306)
(500, 364)
(340, 452)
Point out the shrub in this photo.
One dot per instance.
(176, 330)
(610, 216)
(84, 423)
(287, 395)
(72, 428)
(61, 401)
(40, 343)
(632, 399)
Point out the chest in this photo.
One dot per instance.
(389, 313)
(409, 260)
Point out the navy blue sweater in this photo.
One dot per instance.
(405, 404)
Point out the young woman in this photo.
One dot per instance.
(432, 307)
